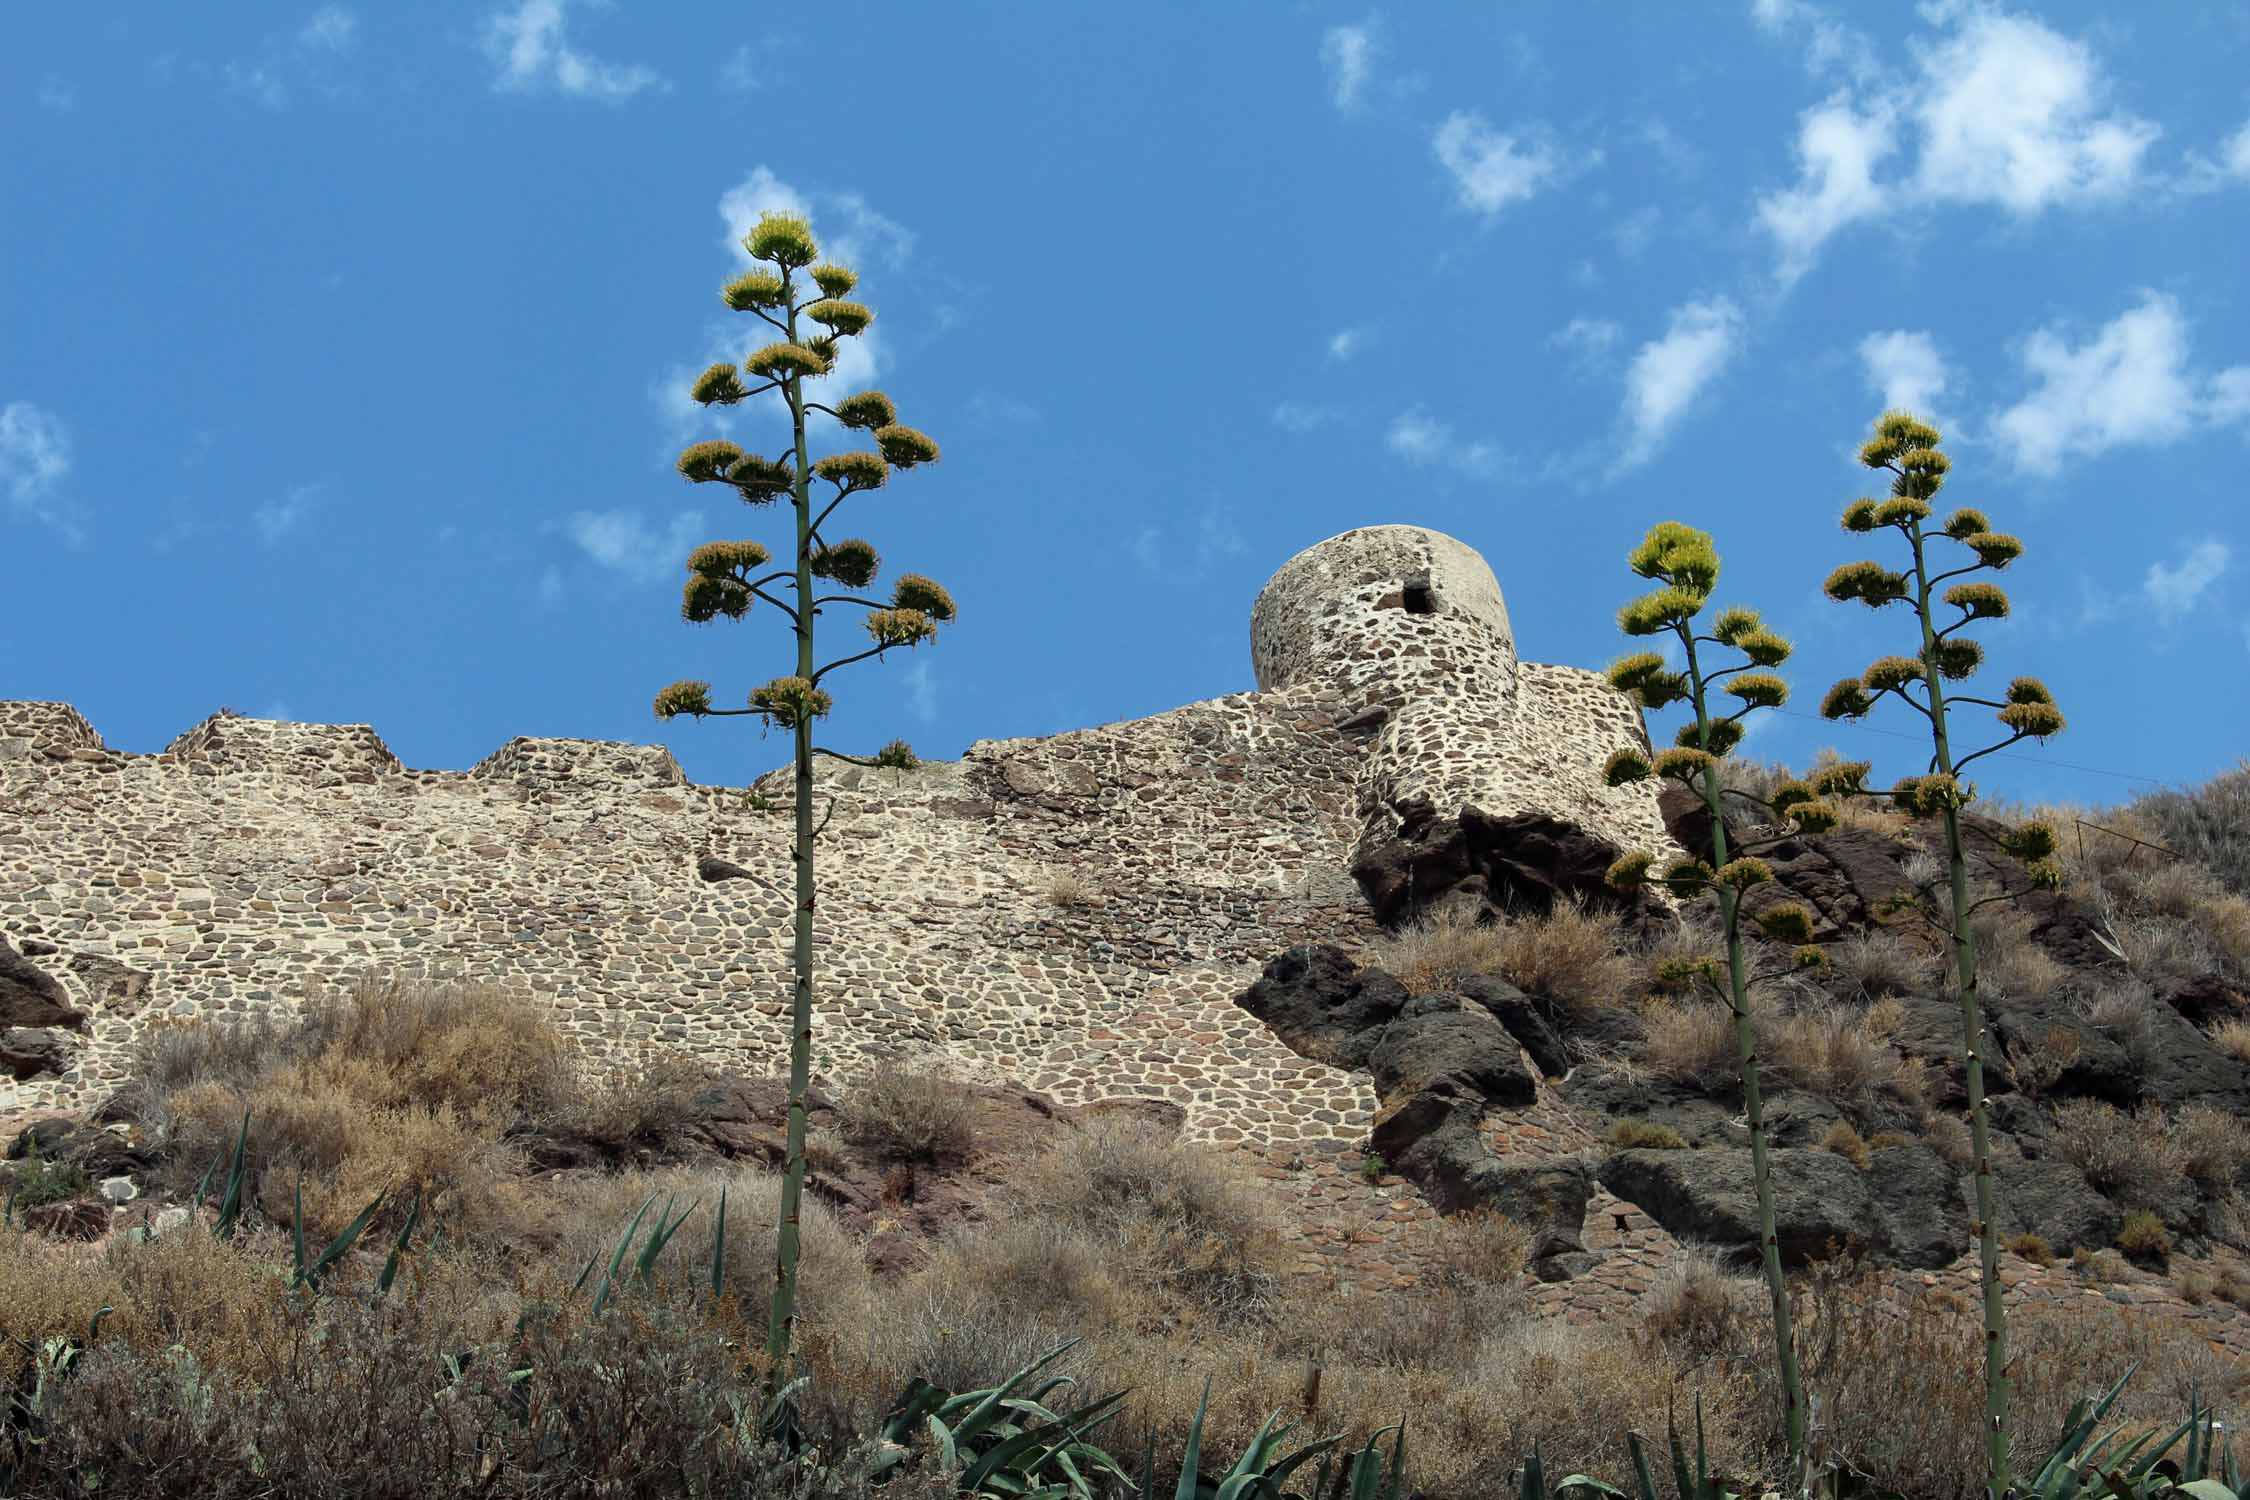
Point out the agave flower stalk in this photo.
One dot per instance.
(802, 299)
(1907, 449)
(1685, 565)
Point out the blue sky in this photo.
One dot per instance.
(342, 346)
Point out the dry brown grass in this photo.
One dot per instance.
(1571, 956)
(2009, 961)
(1692, 1041)
(1878, 962)
(899, 1114)
(1846, 1142)
(2233, 1038)
(2133, 1157)
(1067, 890)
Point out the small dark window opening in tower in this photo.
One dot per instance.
(1418, 597)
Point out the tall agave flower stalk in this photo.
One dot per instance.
(1731, 660)
(1906, 448)
(801, 298)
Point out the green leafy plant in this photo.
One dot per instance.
(1684, 564)
(1005, 1441)
(802, 298)
(1944, 601)
(39, 1181)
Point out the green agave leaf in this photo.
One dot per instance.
(940, 1434)
(310, 1275)
(1192, 1459)
(398, 1248)
(719, 1248)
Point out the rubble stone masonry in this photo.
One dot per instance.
(251, 861)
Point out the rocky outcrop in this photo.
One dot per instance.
(1488, 866)
(1904, 1208)
(30, 996)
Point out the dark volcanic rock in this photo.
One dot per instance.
(1918, 1205)
(1525, 1021)
(1444, 1045)
(1820, 1199)
(1324, 1006)
(30, 996)
(79, 1220)
(25, 1053)
(1518, 862)
(44, 1137)
(2050, 1198)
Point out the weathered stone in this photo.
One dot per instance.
(120, 1189)
(1450, 1047)
(25, 1053)
(1323, 1005)
(77, 1220)
(31, 997)
(1820, 1199)
(1525, 1021)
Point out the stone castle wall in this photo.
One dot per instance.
(251, 861)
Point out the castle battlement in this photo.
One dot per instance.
(252, 861)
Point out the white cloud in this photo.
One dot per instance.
(1667, 374)
(2129, 384)
(622, 540)
(1994, 110)
(1345, 344)
(1348, 53)
(277, 518)
(1290, 416)
(851, 233)
(1590, 337)
(2173, 591)
(1494, 168)
(1907, 371)
(2018, 117)
(1839, 146)
(34, 458)
(529, 44)
(921, 688)
(331, 29)
(1682, 158)
(2236, 152)
(1421, 439)
(740, 71)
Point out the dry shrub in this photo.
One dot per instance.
(476, 1047)
(1847, 1143)
(1184, 1219)
(1698, 1308)
(2196, 1284)
(1571, 955)
(2233, 1038)
(2209, 824)
(1067, 889)
(2211, 1145)
(2143, 1236)
(2032, 1247)
(1832, 1050)
(1433, 955)
(2037, 1064)
(2133, 1158)
(1481, 1249)
(637, 1098)
(2010, 961)
(910, 1115)
(1692, 1041)
(1950, 1138)
(1691, 948)
(1878, 962)
(1900, 1381)
(1633, 1134)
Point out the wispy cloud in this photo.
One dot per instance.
(2129, 384)
(1419, 438)
(851, 232)
(1667, 374)
(1907, 372)
(1344, 344)
(290, 59)
(2172, 592)
(921, 688)
(1349, 53)
(1290, 416)
(1996, 110)
(740, 71)
(531, 45)
(625, 541)
(277, 518)
(1587, 339)
(1492, 169)
(34, 460)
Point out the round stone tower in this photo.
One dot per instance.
(1383, 609)
(1483, 775)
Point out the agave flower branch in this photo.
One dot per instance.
(1907, 449)
(801, 298)
(1685, 565)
